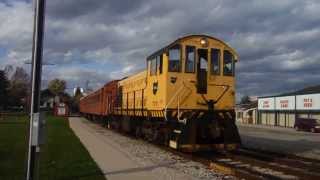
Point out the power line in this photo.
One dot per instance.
(44, 64)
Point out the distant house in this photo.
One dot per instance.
(247, 113)
(61, 108)
(47, 104)
(47, 99)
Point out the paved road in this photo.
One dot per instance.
(283, 140)
(115, 162)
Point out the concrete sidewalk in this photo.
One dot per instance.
(115, 162)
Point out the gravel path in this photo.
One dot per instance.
(146, 158)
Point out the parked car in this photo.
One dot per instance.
(308, 124)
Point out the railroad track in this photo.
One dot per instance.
(252, 164)
(255, 165)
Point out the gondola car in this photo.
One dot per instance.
(185, 98)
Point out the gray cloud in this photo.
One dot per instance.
(277, 40)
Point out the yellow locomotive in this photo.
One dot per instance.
(185, 98)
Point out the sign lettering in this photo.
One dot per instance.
(266, 104)
(284, 103)
(307, 103)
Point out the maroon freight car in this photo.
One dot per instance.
(92, 104)
(109, 97)
(100, 102)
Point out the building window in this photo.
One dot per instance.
(228, 65)
(153, 67)
(190, 59)
(215, 61)
(174, 59)
(159, 63)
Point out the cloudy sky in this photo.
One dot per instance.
(97, 40)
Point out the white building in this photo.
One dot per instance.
(247, 113)
(283, 110)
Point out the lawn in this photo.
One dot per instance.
(13, 147)
(62, 157)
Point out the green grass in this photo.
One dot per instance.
(13, 146)
(62, 157)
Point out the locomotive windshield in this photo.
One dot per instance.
(190, 59)
(215, 61)
(174, 59)
(228, 66)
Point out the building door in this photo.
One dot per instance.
(282, 119)
(202, 71)
(264, 118)
(291, 119)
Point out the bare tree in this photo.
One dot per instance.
(9, 69)
(4, 84)
(20, 75)
(19, 87)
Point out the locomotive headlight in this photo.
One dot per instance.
(204, 42)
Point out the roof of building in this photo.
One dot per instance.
(253, 104)
(307, 90)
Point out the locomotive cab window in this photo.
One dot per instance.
(190, 59)
(153, 67)
(228, 65)
(215, 61)
(174, 59)
(159, 63)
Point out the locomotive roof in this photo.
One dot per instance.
(164, 49)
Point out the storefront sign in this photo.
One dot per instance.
(285, 103)
(308, 102)
(266, 104)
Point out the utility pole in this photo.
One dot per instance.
(35, 119)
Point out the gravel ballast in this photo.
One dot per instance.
(162, 163)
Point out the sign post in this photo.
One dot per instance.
(36, 120)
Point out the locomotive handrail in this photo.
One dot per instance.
(171, 100)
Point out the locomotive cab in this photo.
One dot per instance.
(202, 66)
